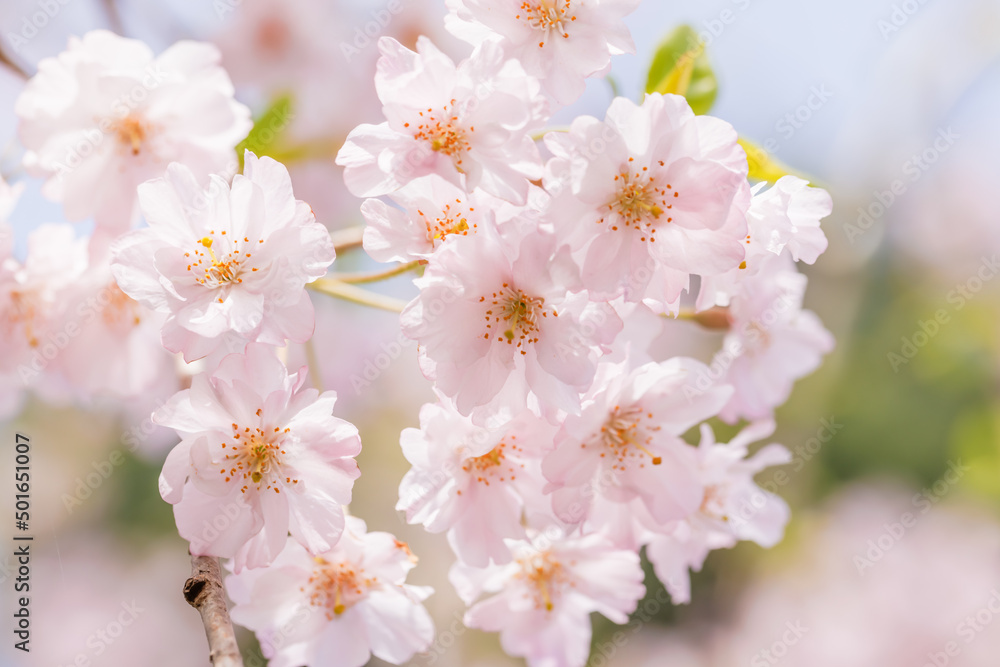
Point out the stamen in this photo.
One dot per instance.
(627, 437)
(520, 313)
(547, 16)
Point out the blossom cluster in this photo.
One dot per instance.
(555, 450)
(216, 274)
(551, 262)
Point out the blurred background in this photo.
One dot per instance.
(890, 104)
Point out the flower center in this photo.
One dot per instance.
(23, 313)
(545, 577)
(547, 16)
(514, 316)
(273, 35)
(443, 132)
(640, 202)
(120, 308)
(131, 132)
(338, 586)
(494, 465)
(213, 270)
(714, 502)
(625, 437)
(451, 221)
(756, 338)
(256, 458)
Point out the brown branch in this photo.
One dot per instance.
(204, 592)
(7, 61)
(114, 17)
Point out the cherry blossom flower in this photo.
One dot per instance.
(650, 196)
(296, 47)
(227, 265)
(115, 341)
(545, 596)
(473, 482)
(561, 42)
(106, 115)
(33, 302)
(259, 456)
(469, 123)
(783, 221)
(626, 442)
(433, 211)
(733, 508)
(502, 325)
(337, 607)
(772, 343)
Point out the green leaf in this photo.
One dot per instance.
(763, 167)
(681, 67)
(268, 129)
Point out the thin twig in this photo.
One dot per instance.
(345, 239)
(204, 592)
(538, 136)
(114, 17)
(339, 290)
(360, 278)
(717, 318)
(13, 66)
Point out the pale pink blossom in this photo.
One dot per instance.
(338, 607)
(544, 598)
(305, 49)
(783, 221)
(503, 325)
(626, 443)
(227, 265)
(561, 42)
(470, 123)
(259, 456)
(648, 197)
(772, 342)
(113, 341)
(474, 482)
(432, 210)
(106, 115)
(34, 300)
(733, 508)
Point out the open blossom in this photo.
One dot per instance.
(228, 265)
(783, 221)
(503, 325)
(337, 607)
(469, 123)
(433, 210)
(106, 115)
(259, 456)
(474, 482)
(650, 196)
(626, 443)
(34, 300)
(545, 596)
(772, 342)
(115, 346)
(561, 42)
(733, 508)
